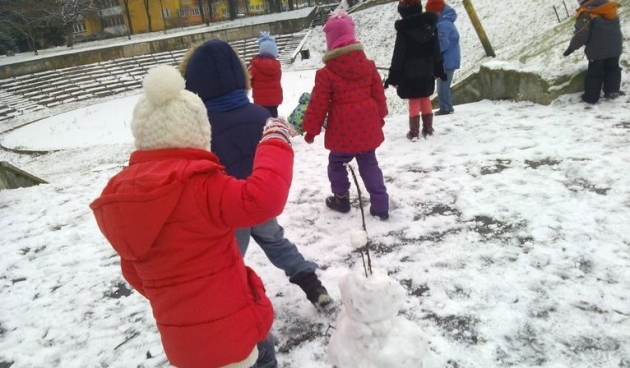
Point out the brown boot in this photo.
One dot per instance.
(414, 127)
(427, 125)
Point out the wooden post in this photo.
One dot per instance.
(565, 8)
(556, 11)
(479, 28)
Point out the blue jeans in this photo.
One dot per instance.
(279, 250)
(266, 354)
(444, 91)
(370, 173)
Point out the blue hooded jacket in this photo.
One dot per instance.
(449, 38)
(215, 73)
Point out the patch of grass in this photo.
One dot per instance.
(300, 331)
(458, 292)
(496, 168)
(417, 291)
(459, 328)
(121, 290)
(541, 312)
(493, 228)
(582, 344)
(583, 184)
(532, 351)
(443, 210)
(543, 162)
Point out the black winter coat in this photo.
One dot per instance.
(601, 37)
(417, 59)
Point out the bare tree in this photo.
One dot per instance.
(146, 4)
(204, 18)
(70, 12)
(26, 18)
(128, 14)
(162, 16)
(232, 8)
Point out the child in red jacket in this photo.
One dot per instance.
(349, 90)
(266, 73)
(171, 216)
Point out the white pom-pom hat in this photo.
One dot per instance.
(167, 115)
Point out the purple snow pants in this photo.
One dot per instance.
(370, 173)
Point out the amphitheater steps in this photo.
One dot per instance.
(32, 92)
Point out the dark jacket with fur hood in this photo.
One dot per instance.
(417, 59)
(597, 28)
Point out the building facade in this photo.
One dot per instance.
(126, 17)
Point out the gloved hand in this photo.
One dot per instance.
(309, 138)
(567, 52)
(278, 128)
(386, 83)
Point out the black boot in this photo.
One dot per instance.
(414, 127)
(382, 215)
(315, 292)
(427, 125)
(339, 203)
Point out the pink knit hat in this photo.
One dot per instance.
(339, 30)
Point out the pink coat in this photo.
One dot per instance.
(349, 90)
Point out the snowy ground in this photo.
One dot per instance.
(508, 230)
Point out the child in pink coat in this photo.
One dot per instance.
(349, 92)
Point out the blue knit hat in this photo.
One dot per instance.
(267, 44)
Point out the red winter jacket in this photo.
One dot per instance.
(349, 90)
(266, 74)
(171, 216)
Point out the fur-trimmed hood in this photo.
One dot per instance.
(420, 27)
(349, 62)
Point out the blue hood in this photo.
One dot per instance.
(448, 14)
(214, 70)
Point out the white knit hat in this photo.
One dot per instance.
(167, 115)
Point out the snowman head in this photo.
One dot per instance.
(373, 298)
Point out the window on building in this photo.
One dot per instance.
(166, 13)
(114, 21)
(183, 12)
(105, 4)
(78, 27)
(196, 11)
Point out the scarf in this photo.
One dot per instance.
(229, 101)
(607, 11)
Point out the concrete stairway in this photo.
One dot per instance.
(32, 92)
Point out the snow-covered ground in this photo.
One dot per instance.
(508, 229)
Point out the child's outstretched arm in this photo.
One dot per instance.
(264, 193)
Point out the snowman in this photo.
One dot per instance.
(368, 332)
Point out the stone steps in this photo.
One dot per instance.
(37, 91)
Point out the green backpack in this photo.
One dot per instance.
(297, 115)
